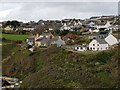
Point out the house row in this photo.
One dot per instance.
(97, 44)
(45, 40)
(102, 41)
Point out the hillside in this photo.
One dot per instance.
(55, 67)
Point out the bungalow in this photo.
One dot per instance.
(98, 44)
(81, 48)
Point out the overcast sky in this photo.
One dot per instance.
(27, 11)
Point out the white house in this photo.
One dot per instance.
(111, 40)
(96, 30)
(98, 44)
(46, 35)
(28, 29)
(80, 48)
(65, 27)
(107, 25)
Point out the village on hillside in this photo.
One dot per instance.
(94, 34)
(75, 35)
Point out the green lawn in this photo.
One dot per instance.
(14, 37)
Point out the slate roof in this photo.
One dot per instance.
(31, 39)
(101, 41)
(44, 40)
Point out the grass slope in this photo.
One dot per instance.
(55, 67)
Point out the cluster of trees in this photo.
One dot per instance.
(14, 24)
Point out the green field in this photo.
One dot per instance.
(14, 37)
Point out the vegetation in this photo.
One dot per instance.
(14, 37)
(55, 67)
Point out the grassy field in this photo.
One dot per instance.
(14, 37)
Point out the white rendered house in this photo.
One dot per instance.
(111, 40)
(98, 45)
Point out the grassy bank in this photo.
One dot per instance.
(55, 67)
(14, 37)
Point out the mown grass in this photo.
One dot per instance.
(14, 37)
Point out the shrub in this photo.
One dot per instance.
(103, 57)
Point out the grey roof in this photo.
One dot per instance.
(31, 39)
(101, 41)
(44, 40)
(80, 45)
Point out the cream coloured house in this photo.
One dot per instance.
(98, 44)
(8, 28)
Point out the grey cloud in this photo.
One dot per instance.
(57, 10)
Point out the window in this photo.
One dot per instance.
(81, 47)
(101, 48)
(93, 48)
(77, 47)
(97, 44)
(90, 48)
(106, 47)
(93, 44)
(97, 48)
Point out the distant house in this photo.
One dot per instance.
(81, 48)
(107, 25)
(65, 27)
(98, 44)
(58, 41)
(114, 27)
(91, 24)
(8, 28)
(46, 35)
(111, 40)
(43, 42)
(96, 30)
(31, 40)
(28, 29)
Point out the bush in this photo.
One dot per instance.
(103, 57)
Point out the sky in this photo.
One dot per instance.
(34, 11)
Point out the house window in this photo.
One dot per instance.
(81, 47)
(97, 44)
(106, 47)
(93, 44)
(93, 48)
(97, 48)
(101, 48)
(90, 48)
(77, 47)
